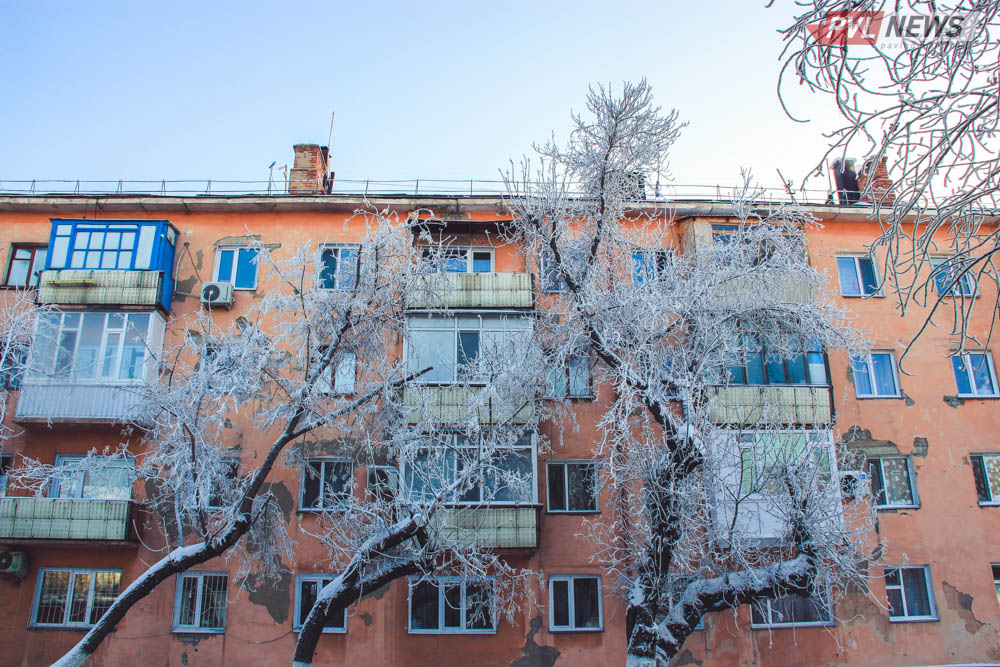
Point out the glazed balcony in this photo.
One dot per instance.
(28, 520)
(772, 404)
(82, 287)
(497, 527)
(473, 290)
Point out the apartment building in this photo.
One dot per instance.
(121, 268)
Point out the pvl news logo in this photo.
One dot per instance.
(883, 30)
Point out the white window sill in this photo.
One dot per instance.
(989, 503)
(792, 626)
(569, 629)
(897, 507)
(597, 511)
(60, 626)
(326, 631)
(197, 631)
(913, 619)
(978, 395)
(863, 296)
(451, 631)
(871, 396)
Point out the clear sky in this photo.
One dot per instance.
(449, 90)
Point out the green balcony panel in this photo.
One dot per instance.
(514, 527)
(27, 519)
(771, 405)
(451, 405)
(473, 290)
(100, 288)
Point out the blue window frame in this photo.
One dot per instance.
(944, 273)
(649, 265)
(236, 265)
(307, 588)
(115, 245)
(200, 602)
(73, 597)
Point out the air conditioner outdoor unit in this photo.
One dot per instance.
(215, 295)
(12, 562)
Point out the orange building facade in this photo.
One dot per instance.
(929, 431)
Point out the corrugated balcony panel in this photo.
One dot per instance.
(100, 288)
(473, 290)
(449, 405)
(70, 519)
(514, 527)
(771, 404)
(742, 290)
(76, 402)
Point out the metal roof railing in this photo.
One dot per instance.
(358, 187)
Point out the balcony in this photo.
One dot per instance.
(746, 290)
(76, 402)
(514, 527)
(83, 287)
(473, 290)
(27, 520)
(771, 404)
(452, 404)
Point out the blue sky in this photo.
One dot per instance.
(451, 90)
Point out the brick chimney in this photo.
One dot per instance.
(309, 171)
(877, 174)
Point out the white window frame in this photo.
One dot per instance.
(988, 357)
(994, 499)
(911, 478)
(928, 583)
(234, 462)
(344, 375)
(323, 579)
(79, 477)
(995, 567)
(197, 628)
(74, 571)
(441, 582)
(533, 500)
(236, 248)
(393, 480)
(871, 376)
(571, 612)
(878, 293)
(967, 284)
(492, 322)
(324, 460)
(565, 475)
(825, 600)
(469, 252)
(6, 462)
(566, 374)
(662, 259)
(152, 344)
(323, 247)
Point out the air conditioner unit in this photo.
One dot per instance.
(215, 295)
(852, 482)
(12, 562)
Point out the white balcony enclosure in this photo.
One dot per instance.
(89, 366)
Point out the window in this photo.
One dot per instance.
(12, 368)
(510, 480)
(552, 279)
(648, 266)
(326, 483)
(26, 264)
(459, 259)
(5, 462)
(338, 266)
(944, 272)
(892, 482)
(201, 602)
(307, 588)
(911, 597)
(236, 265)
(875, 375)
(763, 457)
(223, 489)
(857, 276)
(734, 235)
(572, 486)
(575, 603)
(792, 610)
(343, 379)
(450, 344)
(124, 245)
(986, 472)
(382, 483)
(573, 380)
(975, 374)
(762, 367)
(73, 597)
(996, 579)
(111, 480)
(108, 347)
(451, 604)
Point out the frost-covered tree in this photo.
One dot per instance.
(709, 509)
(313, 358)
(923, 97)
(18, 316)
